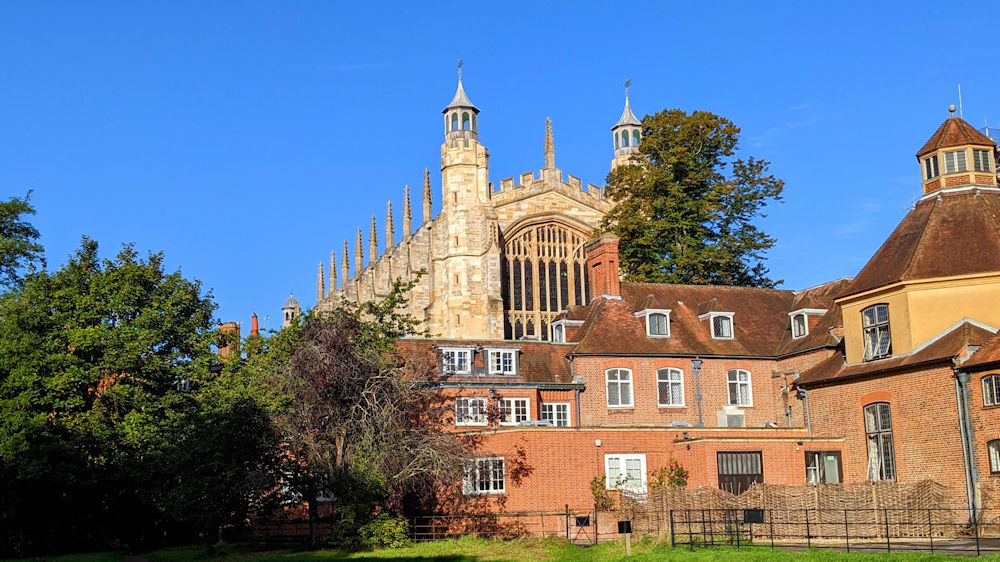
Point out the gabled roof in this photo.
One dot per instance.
(627, 118)
(761, 324)
(942, 348)
(460, 99)
(954, 132)
(987, 355)
(944, 235)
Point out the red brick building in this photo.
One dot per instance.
(891, 375)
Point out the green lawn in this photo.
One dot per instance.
(473, 549)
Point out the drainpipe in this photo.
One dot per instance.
(577, 380)
(804, 395)
(696, 369)
(965, 430)
(577, 407)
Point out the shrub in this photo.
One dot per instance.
(602, 496)
(671, 476)
(385, 531)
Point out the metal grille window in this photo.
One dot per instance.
(991, 390)
(484, 476)
(955, 162)
(657, 324)
(823, 467)
(670, 387)
(931, 167)
(878, 433)
(470, 411)
(993, 448)
(738, 470)
(502, 362)
(557, 413)
(875, 321)
(740, 391)
(619, 385)
(981, 160)
(514, 411)
(799, 326)
(625, 472)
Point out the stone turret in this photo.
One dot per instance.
(427, 197)
(333, 272)
(320, 284)
(359, 256)
(372, 244)
(289, 311)
(407, 213)
(390, 229)
(345, 268)
(627, 133)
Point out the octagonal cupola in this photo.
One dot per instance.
(627, 133)
(957, 156)
(460, 115)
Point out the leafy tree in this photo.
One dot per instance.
(19, 247)
(115, 430)
(360, 423)
(684, 207)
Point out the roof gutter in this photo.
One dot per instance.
(488, 384)
(706, 355)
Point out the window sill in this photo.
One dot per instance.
(672, 406)
(483, 424)
(496, 493)
(743, 406)
(621, 407)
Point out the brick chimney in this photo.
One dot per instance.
(602, 266)
(254, 327)
(229, 339)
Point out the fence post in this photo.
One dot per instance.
(976, 523)
(770, 520)
(847, 531)
(597, 527)
(930, 529)
(567, 522)
(711, 527)
(673, 542)
(888, 541)
(808, 534)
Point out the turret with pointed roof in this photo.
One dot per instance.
(957, 156)
(460, 115)
(627, 133)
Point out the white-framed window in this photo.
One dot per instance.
(878, 434)
(991, 390)
(800, 326)
(470, 411)
(456, 361)
(740, 390)
(931, 167)
(721, 324)
(823, 467)
(501, 361)
(619, 386)
(556, 412)
(513, 411)
(875, 321)
(670, 387)
(657, 322)
(981, 160)
(993, 449)
(484, 475)
(627, 472)
(954, 161)
(558, 333)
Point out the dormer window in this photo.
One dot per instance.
(981, 160)
(657, 322)
(954, 161)
(558, 333)
(502, 361)
(931, 167)
(721, 324)
(800, 327)
(456, 361)
(875, 322)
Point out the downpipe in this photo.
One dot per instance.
(804, 396)
(965, 431)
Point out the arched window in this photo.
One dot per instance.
(670, 387)
(465, 121)
(475, 127)
(635, 137)
(616, 140)
(619, 386)
(740, 390)
(800, 328)
(991, 390)
(878, 434)
(875, 321)
(624, 139)
(454, 121)
(993, 448)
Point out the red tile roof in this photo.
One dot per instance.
(954, 132)
(761, 324)
(944, 348)
(933, 241)
(987, 355)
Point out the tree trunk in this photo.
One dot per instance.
(313, 519)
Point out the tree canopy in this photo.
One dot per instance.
(685, 206)
(19, 247)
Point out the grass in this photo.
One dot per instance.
(475, 549)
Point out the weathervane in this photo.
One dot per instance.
(459, 68)
(627, 84)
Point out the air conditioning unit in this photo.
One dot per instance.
(731, 416)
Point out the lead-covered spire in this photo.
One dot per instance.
(627, 133)
(460, 115)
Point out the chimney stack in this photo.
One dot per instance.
(602, 267)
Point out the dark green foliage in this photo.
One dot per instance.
(385, 531)
(19, 247)
(99, 445)
(685, 209)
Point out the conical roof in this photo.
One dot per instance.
(627, 118)
(460, 100)
(954, 132)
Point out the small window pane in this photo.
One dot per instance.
(994, 450)
(991, 390)
(722, 327)
(657, 324)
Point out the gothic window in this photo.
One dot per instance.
(635, 137)
(624, 139)
(454, 121)
(543, 274)
(475, 127)
(465, 121)
(616, 140)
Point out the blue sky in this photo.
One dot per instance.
(248, 139)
